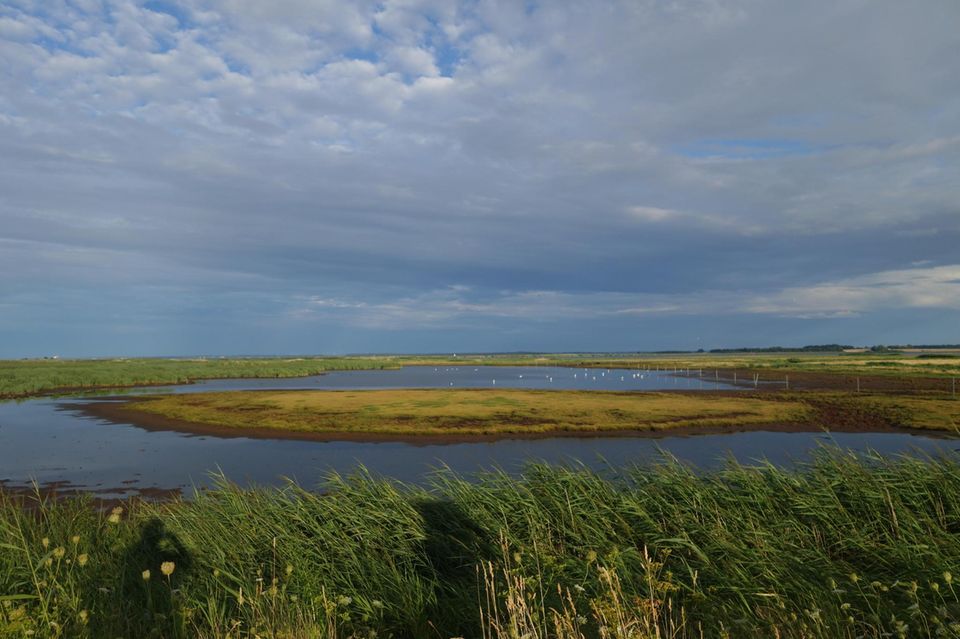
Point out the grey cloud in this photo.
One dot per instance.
(691, 150)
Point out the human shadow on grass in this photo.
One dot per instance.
(454, 545)
(154, 565)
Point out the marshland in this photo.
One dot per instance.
(693, 496)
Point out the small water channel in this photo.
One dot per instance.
(51, 441)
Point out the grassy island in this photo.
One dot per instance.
(472, 412)
(488, 413)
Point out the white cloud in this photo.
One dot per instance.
(413, 61)
(652, 214)
(917, 288)
(931, 287)
(15, 29)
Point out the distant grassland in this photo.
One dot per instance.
(855, 364)
(447, 412)
(839, 548)
(24, 378)
(31, 377)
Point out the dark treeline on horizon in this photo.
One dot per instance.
(816, 348)
(831, 348)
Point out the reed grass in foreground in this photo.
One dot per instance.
(842, 547)
(451, 412)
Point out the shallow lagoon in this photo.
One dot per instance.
(52, 442)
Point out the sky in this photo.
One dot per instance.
(322, 176)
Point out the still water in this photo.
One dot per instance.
(52, 441)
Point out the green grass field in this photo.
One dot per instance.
(32, 377)
(883, 364)
(839, 548)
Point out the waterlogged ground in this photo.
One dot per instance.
(53, 442)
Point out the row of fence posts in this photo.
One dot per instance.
(716, 376)
(786, 380)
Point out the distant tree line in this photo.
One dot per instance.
(900, 347)
(832, 348)
(817, 348)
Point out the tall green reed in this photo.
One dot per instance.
(842, 546)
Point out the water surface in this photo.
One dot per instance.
(51, 441)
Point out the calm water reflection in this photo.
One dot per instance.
(48, 440)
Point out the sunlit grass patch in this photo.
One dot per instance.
(467, 412)
(921, 412)
(24, 378)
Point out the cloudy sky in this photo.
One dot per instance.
(324, 176)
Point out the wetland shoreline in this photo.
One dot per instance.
(826, 415)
